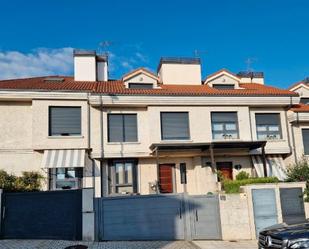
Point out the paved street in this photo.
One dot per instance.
(48, 244)
(58, 244)
(206, 244)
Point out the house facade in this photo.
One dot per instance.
(147, 133)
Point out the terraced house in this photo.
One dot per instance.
(167, 132)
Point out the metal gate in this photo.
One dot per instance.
(264, 208)
(292, 205)
(205, 217)
(157, 217)
(42, 215)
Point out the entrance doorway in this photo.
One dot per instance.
(166, 178)
(226, 169)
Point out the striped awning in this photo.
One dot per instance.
(63, 158)
(274, 165)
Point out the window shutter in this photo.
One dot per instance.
(175, 125)
(305, 133)
(130, 128)
(115, 128)
(224, 117)
(65, 121)
(267, 118)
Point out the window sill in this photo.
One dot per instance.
(177, 141)
(124, 143)
(225, 139)
(65, 137)
(274, 140)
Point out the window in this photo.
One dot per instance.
(122, 177)
(66, 178)
(223, 86)
(64, 121)
(304, 101)
(305, 133)
(175, 126)
(224, 125)
(268, 126)
(140, 86)
(122, 128)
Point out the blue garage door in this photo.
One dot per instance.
(265, 208)
(42, 215)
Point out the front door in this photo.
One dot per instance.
(166, 178)
(226, 169)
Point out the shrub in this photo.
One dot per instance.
(242, 175)
(231, 186)
(28, 181)
(298, 172)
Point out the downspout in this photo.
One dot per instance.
(292, 130)
(89, 140)
(102, 168)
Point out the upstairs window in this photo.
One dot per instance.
(175, 126)
(305, 133)
(64, 121)
(268, 126)
(122, 128)
(304, 101)
(223, 86)
(224, 125)
(140, 86)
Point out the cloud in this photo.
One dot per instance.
(50, 61)
(39, 62)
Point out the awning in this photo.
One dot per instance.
(63, 158)
(251, 145)
(274, 164)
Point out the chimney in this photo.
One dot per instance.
(180, 71)
(251, 77)
(88, 66)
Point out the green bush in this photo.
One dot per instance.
(298, 172)
(242, 175)
(28, 181)
(231, 187)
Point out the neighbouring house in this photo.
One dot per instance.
(299, 120)
(167, 132)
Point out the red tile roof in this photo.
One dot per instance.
(117, 87)
(300, 108)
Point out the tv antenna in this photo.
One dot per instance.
(199, 53)
(103, 47)
(249, 62)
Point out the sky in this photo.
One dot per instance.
(37, 37)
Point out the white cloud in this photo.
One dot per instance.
(39, 62)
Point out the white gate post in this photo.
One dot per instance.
(88, 214)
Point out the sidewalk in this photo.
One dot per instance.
(244, 244)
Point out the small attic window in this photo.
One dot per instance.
(140, 85)
(54, 79)
(223, 86)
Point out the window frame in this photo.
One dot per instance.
(302, 133)
(78, 179)
(224, 130)
(179, 138)
(50, 120)
(123, 127)
(111, 176)
(224, 86)
(268, 132)
(148, 85)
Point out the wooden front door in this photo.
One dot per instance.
(226, 169)
(166, 178)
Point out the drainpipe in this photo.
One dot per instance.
(89, 140)
(292, 131)
(102, 168)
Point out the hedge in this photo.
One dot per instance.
(231, 187)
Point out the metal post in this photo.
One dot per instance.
(264, 161)
(158, 171)
(212, 157)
